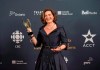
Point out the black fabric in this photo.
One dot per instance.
(47, 59)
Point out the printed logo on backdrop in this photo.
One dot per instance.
(66, 59)
(37, 12)
(64, 13)
(88, 12)
(89, 39)
(69, 46)
(0, 62)
(88, 61)
(13, 13)
(18, 62)
(17, 37)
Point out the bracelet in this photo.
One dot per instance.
(30, 33)
(32, 36)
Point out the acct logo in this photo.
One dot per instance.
(17, 36)
(88, 39)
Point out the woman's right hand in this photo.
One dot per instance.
(29, 30)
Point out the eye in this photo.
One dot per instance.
(49, 14)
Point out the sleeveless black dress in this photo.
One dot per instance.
(47, 59)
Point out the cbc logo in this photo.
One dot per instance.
(17, 36)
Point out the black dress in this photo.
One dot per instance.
(47, 59)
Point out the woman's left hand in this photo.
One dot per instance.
(58, 49)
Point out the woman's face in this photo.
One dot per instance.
(48, 16)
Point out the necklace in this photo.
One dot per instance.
(50, 27)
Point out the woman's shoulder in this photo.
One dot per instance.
(41, 27)
(60, 26)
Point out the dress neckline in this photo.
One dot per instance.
(51, 31)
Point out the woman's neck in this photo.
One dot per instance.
(50, 25)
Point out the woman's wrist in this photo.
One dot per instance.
(31, 34)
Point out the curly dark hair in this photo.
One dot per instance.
(53, 13)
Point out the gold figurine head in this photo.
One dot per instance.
(27, 23)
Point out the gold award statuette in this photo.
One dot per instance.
(27, 23)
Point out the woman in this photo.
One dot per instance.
(52, 38)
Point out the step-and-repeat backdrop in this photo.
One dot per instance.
(80, 18)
